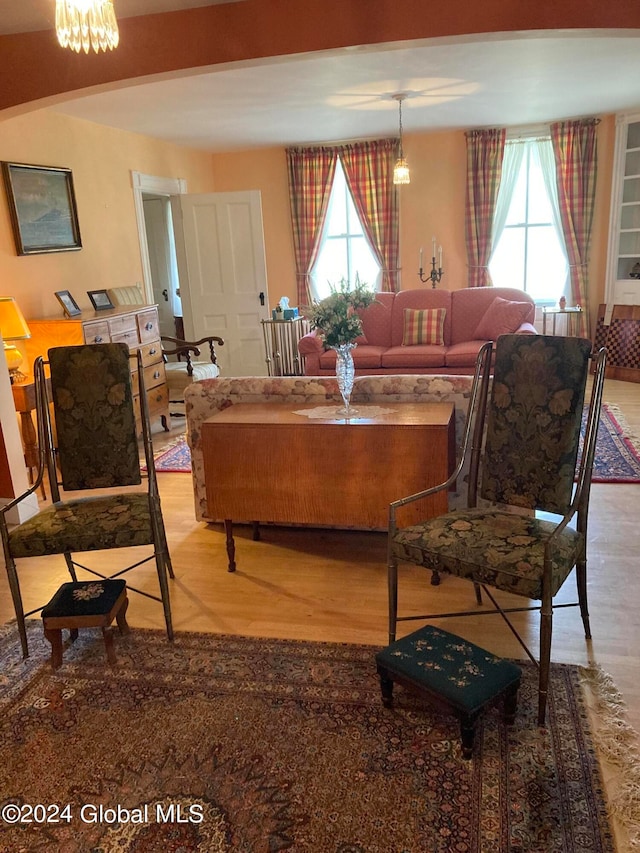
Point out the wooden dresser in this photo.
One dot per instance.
(135, 325)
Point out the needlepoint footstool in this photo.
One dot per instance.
(452, 674)
(85, 604)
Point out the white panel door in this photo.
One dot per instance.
(223, 278)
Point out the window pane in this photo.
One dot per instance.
(337, 212)
(539, 204)
(363, 263)
(344, 251)
(518, 209)
(546, 265)
(507, 263)
(330, 266)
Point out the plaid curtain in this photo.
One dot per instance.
(311, 172)
(368, 168)
(485, 150)
(576, 154)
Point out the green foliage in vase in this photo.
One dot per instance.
(335, 317)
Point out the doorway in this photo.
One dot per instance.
(163, 265)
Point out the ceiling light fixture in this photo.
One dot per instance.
(81, 24)
(401, 169)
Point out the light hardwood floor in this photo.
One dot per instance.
(331, 585)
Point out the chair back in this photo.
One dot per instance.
(533, 421)
(94, 416)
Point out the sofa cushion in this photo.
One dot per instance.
(376, 321)
(420, 300)
(502, 317)
(469, 304)
(423, 327)
(422, 355)
(463, 354)
(364, 356)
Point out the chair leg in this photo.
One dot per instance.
(546, 626)
(164, 591)
(581, 578)
(16, 595)
(478, 590)
(71, 566)
(162, 535)
(392, 579)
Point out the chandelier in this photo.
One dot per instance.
(81, 24)
(401, 169)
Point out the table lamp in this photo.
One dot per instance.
(13, 327)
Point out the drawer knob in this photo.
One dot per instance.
(156, 374)
(153, 351)
(98, 339)
(149, 326)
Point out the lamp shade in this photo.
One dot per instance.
(13, 326)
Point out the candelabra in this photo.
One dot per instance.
(434, 275)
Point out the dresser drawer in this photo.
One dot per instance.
(97, 333)
(151, 353)
(120, 325)
(158, 399)
(148, 325)
(128, 337)
(154, 375)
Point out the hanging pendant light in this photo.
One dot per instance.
(81, 24)
(401, 169)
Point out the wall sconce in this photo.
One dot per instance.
(13, 327)
(435, 273)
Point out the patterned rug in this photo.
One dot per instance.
(617, 455)
(237, 745)
(617, 458)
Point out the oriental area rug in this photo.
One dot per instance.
(617, 457)
(239, 745)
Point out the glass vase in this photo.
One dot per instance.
(345, 374)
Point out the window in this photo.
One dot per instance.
(529, 252)
(345, 251)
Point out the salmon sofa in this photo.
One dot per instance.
(456, 322)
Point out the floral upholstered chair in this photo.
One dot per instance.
(524, 439)
(95, 449)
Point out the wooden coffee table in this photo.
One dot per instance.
(263, 462)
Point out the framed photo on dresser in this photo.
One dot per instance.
(100, 299)
(69, 304)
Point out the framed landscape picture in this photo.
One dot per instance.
(42, 205)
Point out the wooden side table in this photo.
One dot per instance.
(572, 320)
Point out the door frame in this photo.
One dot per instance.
(140, 184)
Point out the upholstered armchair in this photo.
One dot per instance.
(93, 448)
(525, 527)
(186, 370)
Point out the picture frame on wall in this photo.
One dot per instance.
(42, 206)
(69, 304)
(100, 299)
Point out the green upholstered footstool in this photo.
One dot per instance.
(85, 604)
(451, 674)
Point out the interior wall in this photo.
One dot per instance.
(101, 160)
(433, 204)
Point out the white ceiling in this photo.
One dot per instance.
(511, 79)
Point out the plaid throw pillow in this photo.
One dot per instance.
(423, 327)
